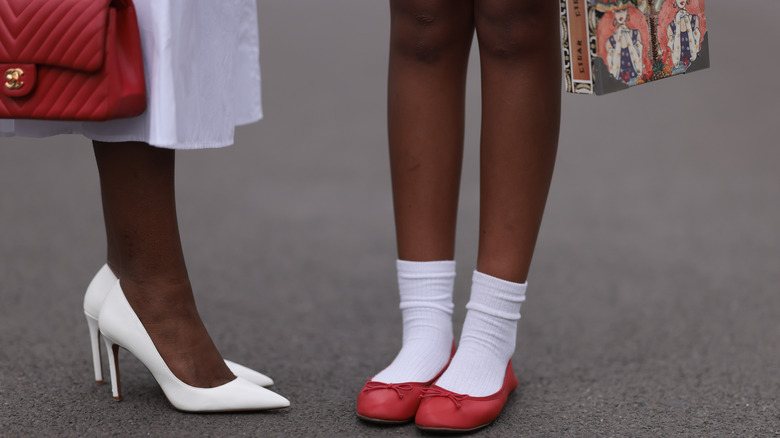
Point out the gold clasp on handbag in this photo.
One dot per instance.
(13, 78)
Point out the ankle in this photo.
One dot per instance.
(156, 300)
(113, 266)
(155, 277)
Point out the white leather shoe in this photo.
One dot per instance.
(120, 326)
(97, 290)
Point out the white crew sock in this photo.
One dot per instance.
(426, 307)
(488, 339)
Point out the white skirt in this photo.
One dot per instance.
(201, 59)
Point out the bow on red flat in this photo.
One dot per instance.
(445, 411)
(393, 403)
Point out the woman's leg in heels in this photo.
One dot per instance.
(520, 59)
(137, 185)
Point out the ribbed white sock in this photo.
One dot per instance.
(426, 307)
(488, 339)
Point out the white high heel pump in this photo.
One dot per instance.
(97, 290)
(120, 327)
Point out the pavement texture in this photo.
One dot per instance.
(654, 299)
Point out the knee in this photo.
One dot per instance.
(426, 31)
(509, 29)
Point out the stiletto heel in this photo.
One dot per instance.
(103, 281)
(113, 366)
(94, 338)
(120, 326)
(98, 288)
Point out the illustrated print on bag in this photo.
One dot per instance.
(683, 30)
(624, 44)
(630, 42)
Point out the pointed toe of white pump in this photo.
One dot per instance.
(236, 395)
(249, 374)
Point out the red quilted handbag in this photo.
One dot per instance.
(70, 60)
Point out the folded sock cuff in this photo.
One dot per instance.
(426, 285)
(437, 269)
(498, 284)
(496, 297)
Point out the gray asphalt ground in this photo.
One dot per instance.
(653, 308)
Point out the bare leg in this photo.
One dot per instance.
(519, 52)
(137, 185)
(520, 57)
(429, 49)
(112, 248)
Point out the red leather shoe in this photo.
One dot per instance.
(445, 411)
(393, 403)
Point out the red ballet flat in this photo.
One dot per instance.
(393, 403)
(445, 411)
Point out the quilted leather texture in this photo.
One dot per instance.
(63, 33)
(89, 64)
